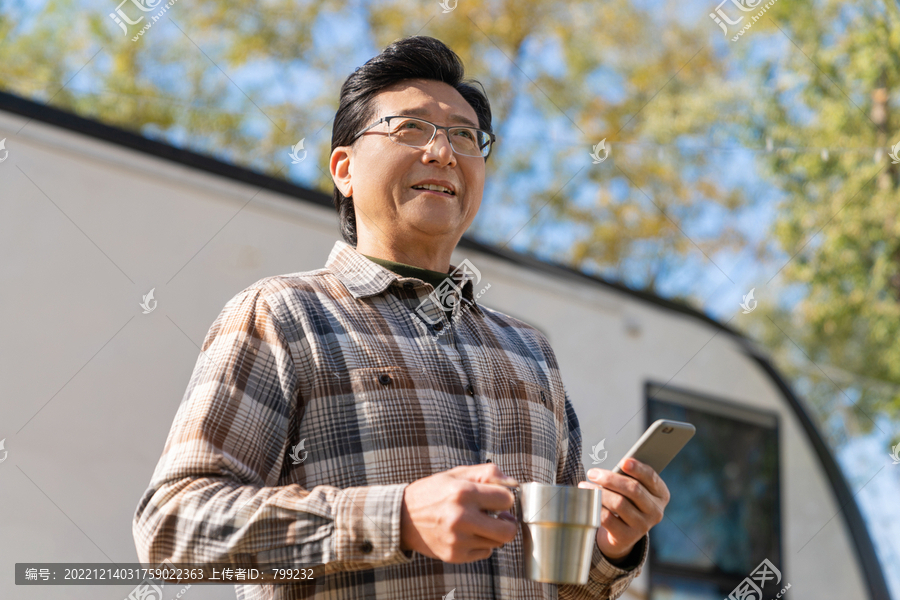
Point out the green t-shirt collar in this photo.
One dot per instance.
(427, 275)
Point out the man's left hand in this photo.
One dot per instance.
(631, 506)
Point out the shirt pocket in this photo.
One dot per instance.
(399, 424)
(529, 429)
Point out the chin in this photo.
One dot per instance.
(432, 228)
(434, 217)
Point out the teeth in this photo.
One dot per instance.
(434, 188)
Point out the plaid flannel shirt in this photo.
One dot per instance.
(318, 396)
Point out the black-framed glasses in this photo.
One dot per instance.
(418, 133)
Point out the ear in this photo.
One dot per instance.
(340, 169)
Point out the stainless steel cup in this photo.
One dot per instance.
(559, 524)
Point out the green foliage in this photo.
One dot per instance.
(179, 80)
(841, 210)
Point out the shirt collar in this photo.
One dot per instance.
(364, 278)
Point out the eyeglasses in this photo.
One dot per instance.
(418, 133)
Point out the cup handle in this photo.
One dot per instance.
(517, 504)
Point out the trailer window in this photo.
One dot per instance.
(724, 516)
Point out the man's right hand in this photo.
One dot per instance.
(443, 516)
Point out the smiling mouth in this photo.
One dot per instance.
(444, 194)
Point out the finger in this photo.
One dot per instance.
(479, 540)
(615, 482)
(484, 473)
(648, 503)
(506, 516)
(623, 508)
(610, 499)
(478, 554)
(494, 529)
(648, 477)
(634, 490)
(615, 526)
(488, 496)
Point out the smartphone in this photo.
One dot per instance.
(659, 444)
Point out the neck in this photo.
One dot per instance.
(430, 258)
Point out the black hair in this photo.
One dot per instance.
(415, 57)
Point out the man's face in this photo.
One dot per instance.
(380, 174)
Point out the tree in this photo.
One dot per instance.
(221, 77)
(830, 95)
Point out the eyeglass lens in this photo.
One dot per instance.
(464, 140)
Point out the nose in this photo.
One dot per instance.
(435, 148)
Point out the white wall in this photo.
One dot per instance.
(88, 228)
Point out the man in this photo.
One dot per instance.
(352, 421)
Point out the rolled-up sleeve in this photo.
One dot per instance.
(214, 496)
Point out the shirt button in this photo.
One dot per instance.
(488, 460)
(366, 547)
(408, 284)
(439, 325)
(543, 399)
(470, 390)
(384, 379)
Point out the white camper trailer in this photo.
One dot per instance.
(95, 217)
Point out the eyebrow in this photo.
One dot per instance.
(421, 112)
